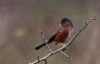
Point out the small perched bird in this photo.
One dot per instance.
(62, 35)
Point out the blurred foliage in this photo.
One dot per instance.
(19, 32)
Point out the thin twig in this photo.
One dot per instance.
(67, 44)
(38, 58)
(84, 27)
(45, 41)
(65, 54)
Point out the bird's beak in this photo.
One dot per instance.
(58, 22)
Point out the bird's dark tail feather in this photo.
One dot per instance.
(40, 46)
(43, 44)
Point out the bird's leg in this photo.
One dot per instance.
(56, 43)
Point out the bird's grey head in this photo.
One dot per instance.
(66, 22)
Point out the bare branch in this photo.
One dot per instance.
(84, 27)
(65, 54)
(38, 58)
(67, 44)
(45, 41)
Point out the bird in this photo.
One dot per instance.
(62, 35)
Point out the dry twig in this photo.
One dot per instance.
(65, 54)
(45, 41)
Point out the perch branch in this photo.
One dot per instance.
(67, 44)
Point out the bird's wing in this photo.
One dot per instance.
(52, 38)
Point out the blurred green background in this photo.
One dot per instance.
(21, 19)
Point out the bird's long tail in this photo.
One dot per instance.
(40, 46)
(43, 44)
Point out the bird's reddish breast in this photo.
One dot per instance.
(61, 36)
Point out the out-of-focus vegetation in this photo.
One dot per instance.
(21, 19)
